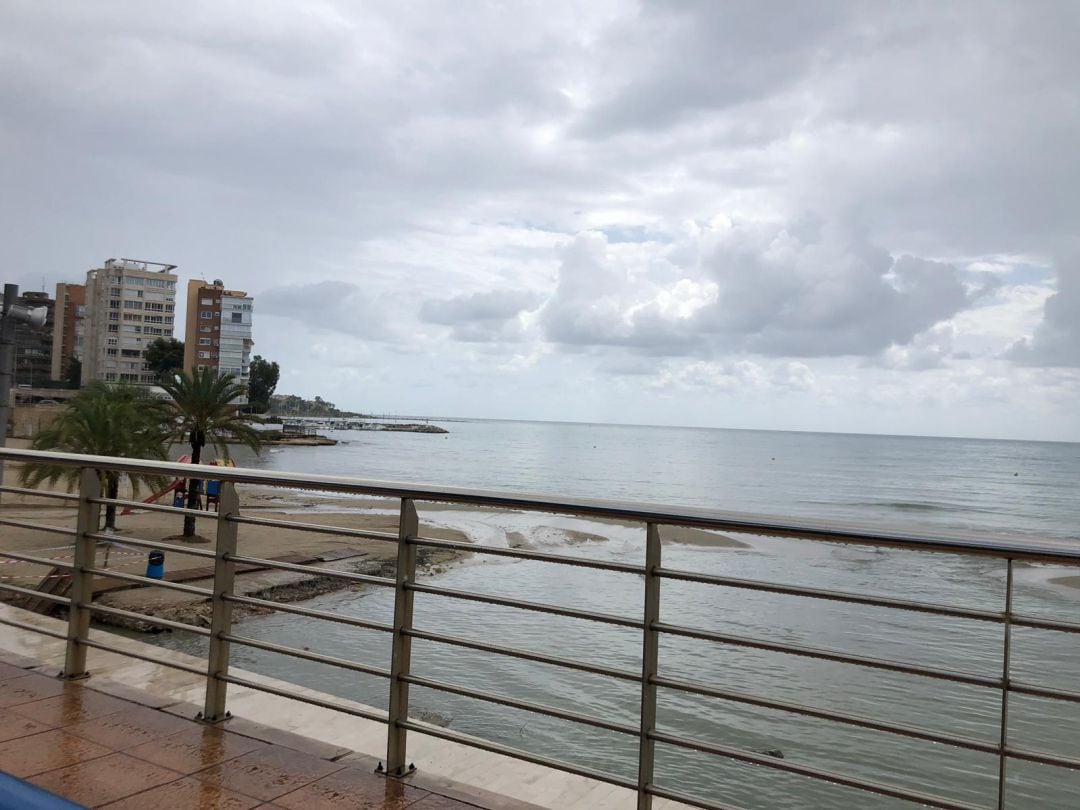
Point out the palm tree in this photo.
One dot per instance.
(104, 420)
(206, 413)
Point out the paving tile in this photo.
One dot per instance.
(195, 748)
(104, 780)
(74, 705)
(188, 794)
(29, 687)
(140, 696)
(47, 751)
(435, 802)
(8, 671)
(16, 660)
(128, 728)
(352, 788)
(13, 726)
(269, 772)
(286, 739)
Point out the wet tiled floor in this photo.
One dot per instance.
(104, 751)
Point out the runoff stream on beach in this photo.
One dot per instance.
(1024, 489)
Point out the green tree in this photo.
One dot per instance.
(205, 411)
(104, 420)
(262, 380)
(164, 356)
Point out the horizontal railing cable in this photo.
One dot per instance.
(40, 493)
(317, 528)
(37, 527)
(30, 558)
(151, 659)
(333, 573)
(537, 607)
(517, 753)
(820, 774)
(1043, 758)
(307, 655)
(159, 545)
(157, 583)
(831, 595)
(108, 610)
(304, 697)
(1036, 690)
(855, 720)
(311, 613)
(524, 655)
(521, 554)
(34, 594)
(830, 655)
(514, 703)
(31, 628)
(155, 507)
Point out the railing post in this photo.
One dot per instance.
(217, 665)
(82, 581)
(650, 655)
(1005, 674)
(408, 526)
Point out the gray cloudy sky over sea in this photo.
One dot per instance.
(804, 215)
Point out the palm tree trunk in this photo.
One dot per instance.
(112, 491)
(192, 495)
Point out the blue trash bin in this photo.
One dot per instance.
(155, 565)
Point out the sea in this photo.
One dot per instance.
(1027, 491)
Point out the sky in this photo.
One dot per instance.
(854, 217)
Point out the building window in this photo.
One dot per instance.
(204, 355)
(238, 317)
(207, 302)
(204, 341)
(206, 315)
(114, 327)
(204, 328)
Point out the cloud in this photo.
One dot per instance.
(798, 291)
(332, 306)
(1056, 341)
(577, 192)
(482, 317)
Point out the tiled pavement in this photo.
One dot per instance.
(102, 750)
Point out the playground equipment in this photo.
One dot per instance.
(179, 487)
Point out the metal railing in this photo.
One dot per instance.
(651, 677)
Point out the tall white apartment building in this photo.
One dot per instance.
(129, 304)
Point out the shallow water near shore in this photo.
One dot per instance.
(1019, 488)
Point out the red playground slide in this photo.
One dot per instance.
(175, 485)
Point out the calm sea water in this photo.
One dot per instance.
(1024, 489)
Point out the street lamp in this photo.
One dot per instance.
(12, 315)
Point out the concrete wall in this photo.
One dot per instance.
(27, 420)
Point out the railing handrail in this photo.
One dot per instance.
(984, 543)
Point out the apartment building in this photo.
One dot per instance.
(69, 329)
(129, 304)
(218, 333)
(32, 354)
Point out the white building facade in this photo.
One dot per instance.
(129, 304)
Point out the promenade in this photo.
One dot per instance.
(127, 737)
